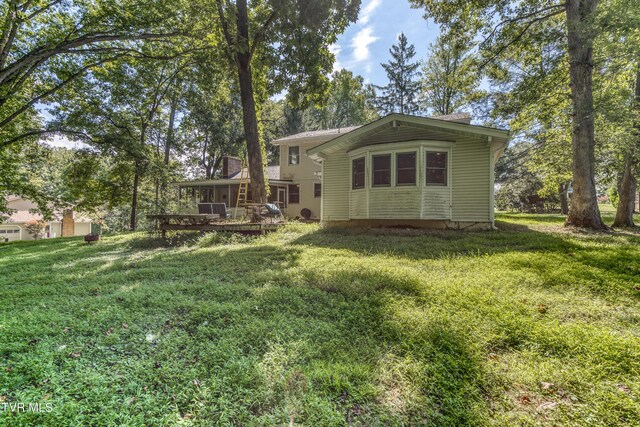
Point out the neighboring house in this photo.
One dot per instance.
(399, 170)
(63, 224)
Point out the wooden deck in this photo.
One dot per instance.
(211, 223)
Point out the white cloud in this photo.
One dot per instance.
(336, 49)
(361, 43)
(368, 10)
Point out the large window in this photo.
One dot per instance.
(317, 190)
(406, 168)
(358, 173)
(294, 155)
(436, 168)
(294, 193)
(382, 170)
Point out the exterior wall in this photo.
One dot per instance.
(466, 199)
(22, 204)
(305, 174)
(471, 181)
(82, 228)
(336, 183)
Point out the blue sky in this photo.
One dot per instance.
(366, 43)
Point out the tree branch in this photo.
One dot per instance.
(518, 37)
(8, 142)
(259, 36)
(54, 89)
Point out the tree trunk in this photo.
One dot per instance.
(627, 187)
(249, 115)
(584, 210)
(170, 133)
(134, 200)
(627, 196)
(564, 201)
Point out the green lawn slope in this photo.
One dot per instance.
(529, 325)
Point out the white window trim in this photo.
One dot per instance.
(299, 156)
(420, 147)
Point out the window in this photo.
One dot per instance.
(294, 193)
(436, 168)
(294, 155)
(317, 190)
(406, 168)
(382, 170)
(358, 173)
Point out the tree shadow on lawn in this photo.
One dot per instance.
(434, 244)
(233, 327)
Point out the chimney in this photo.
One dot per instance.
(456, 117)
(68, 224)
(230, 166)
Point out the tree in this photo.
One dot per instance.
(118, 107)
(279, 45)
(505, 25)
(449, 77)
(627, 185)
(350, 103)
(401, 94)
(45, 45)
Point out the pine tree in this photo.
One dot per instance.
(402, 93)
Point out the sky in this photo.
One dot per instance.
(366, 43)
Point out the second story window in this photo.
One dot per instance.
(382, 170)
(294, 155)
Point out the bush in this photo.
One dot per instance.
(35, 228)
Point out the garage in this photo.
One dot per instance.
(9, 233)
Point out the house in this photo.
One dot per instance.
(410, 171)
(398, 170)
(64, 224)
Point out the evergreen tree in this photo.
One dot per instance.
(402, 93)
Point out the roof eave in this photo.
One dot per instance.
(395, 117)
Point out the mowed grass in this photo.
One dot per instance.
(530, 325)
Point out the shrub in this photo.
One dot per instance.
(35, 228)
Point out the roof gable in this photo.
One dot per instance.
(442, 129)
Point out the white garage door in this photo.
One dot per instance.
(9, 233)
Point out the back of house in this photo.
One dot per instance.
(398, 171)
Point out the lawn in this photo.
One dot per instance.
(529, 325)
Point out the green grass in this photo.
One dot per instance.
(530, 325)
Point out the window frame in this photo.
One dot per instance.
(317, 190)
(427, 168)
(415, 169)
(363, 173)
(291, 156)
(297, 202)
(373, 170)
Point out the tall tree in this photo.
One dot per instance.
(350, 103)
(287, 43)
(505, 25)
(401, 95)
(118, 106)
(45, 45)
(449, 76)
